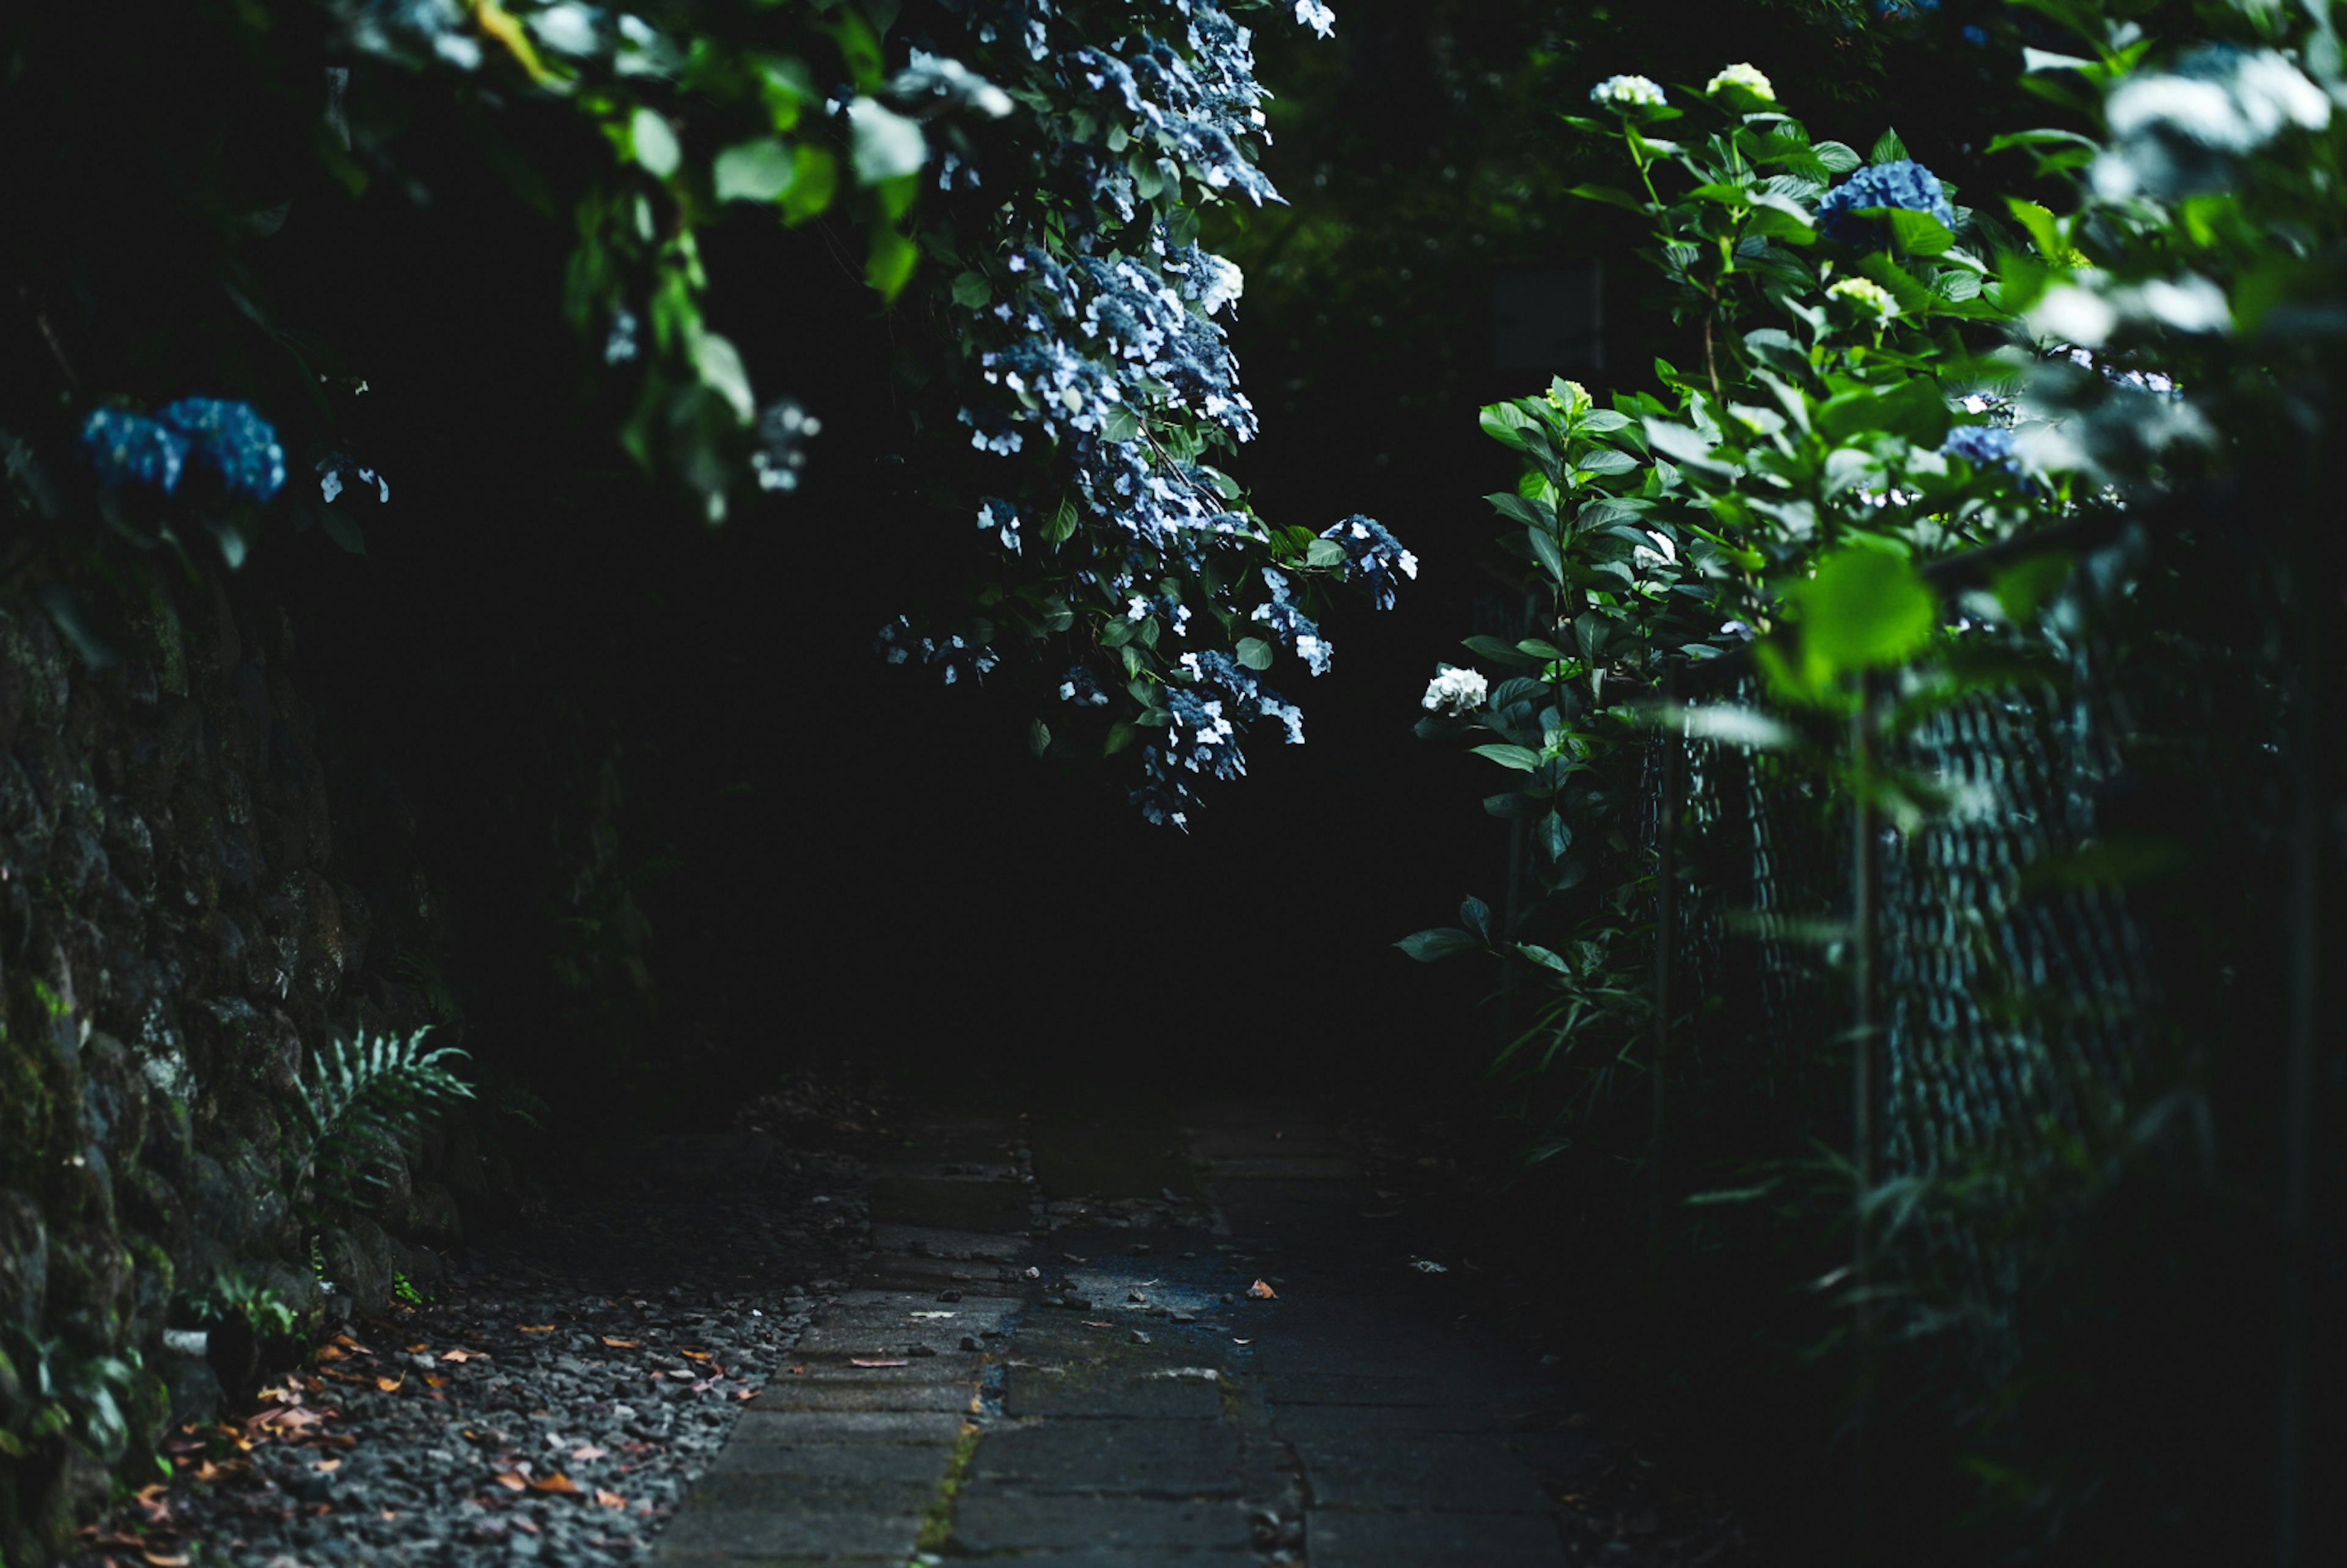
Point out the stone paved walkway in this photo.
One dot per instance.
(1053, 1358)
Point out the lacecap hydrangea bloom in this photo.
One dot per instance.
(1865, 296)
(1455, 692)
(1746, 77)
(1627, 92)
(233, 441)
(1904, 184)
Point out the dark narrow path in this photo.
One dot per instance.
(1055, 1356)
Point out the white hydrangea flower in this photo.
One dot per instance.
(1627, 92)
(1455, 692)
(1314, 14)
(1746, 77)
(1866, 296)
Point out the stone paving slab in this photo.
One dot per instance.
(1433, 1470)
(1159, 1459)
(1030, 1391)
(1335, 1540)
(987, 1522)
(782, 1491)
(874, 1463)
(796, 1394)
(945, 1242)
(848, 1426)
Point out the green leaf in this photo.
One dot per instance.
(1476, 916)
(1544, 550)
(889, 266)
(1531, 514)
(1887, 148)
(757, 170)
(1610, 195)
(1839, 157)
(1439, 942)
(971, 291)
(1864, 609)
(1119, 423)
(1912, 408)
(1545, 958)
(1038, 736)
(1522, 758)
(1492, 647)
(1555, 836)
(1325, 552)
(817, 181)
(1254, 652)
(1918, 234)
(654, 144)
(1062, 523)
(2022, 588)
(1605, 460)
(1120, 735)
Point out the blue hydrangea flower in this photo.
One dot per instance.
(126, 446)
(232, 440)
(1288, 624)
(1904, 184)
(1981, 446)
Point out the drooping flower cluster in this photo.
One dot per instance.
(1627, 92)
(1903, 183)
(1373, 557)
(2176, 132)
(1099, 360)
(783, 431)
(1288, 625)
(226, 437)
(1454, 692)
(951, 656)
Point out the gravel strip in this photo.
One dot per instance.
(554, 1401)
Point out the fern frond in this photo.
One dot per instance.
(362, 1101)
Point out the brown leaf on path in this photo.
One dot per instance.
(327, 1465)
(558, 1481)
(1259, 1291)
(873, 1361)
(622, 1344)
(610, 1499)
(418, 1349)
(434, 1380)
(588, 1451)
(329, 1353)
(694, 1355)
(535, 1327)
(391, 1385)
(745, 1393)
(509, 1480)
(166, 1559)
(460, 1356)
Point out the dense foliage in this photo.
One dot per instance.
(1909, 424)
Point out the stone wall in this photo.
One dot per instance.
(180, 927)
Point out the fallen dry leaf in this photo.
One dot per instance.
(873, 1361)
(418, 1349)
(510, 1482)
(610, 1499)
(327, 1465)
(391, 1385)
(535, 1327)
(434, 1380)
(745, 1393)
(166, 1559)
(558, 1481)
(1259, 1291)
(622, 1344)
(459, 1355)
(589, 1451)
(330, 1353)
(694, 1355)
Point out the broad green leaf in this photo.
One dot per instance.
(1840, 157)
(1888, 148)
(811, 192)
(1531, 514)
(1555, 836)
(1038, 736)
(1325, 552)
(1523, 758)
(1439, 942)
(1492, 647)
(654, 144)
(719, 365)
(970, 290)
(889, 266)
(1912, 408)
(2022, 588)
(1254, 652)
(1600, 421)
(1918, 234)
(1120, 735)
(1545, 958)
(1062, 523)
(756, 170)
(1544, 550)
(1119, 423)
(1863, 609)
(1476, 916)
